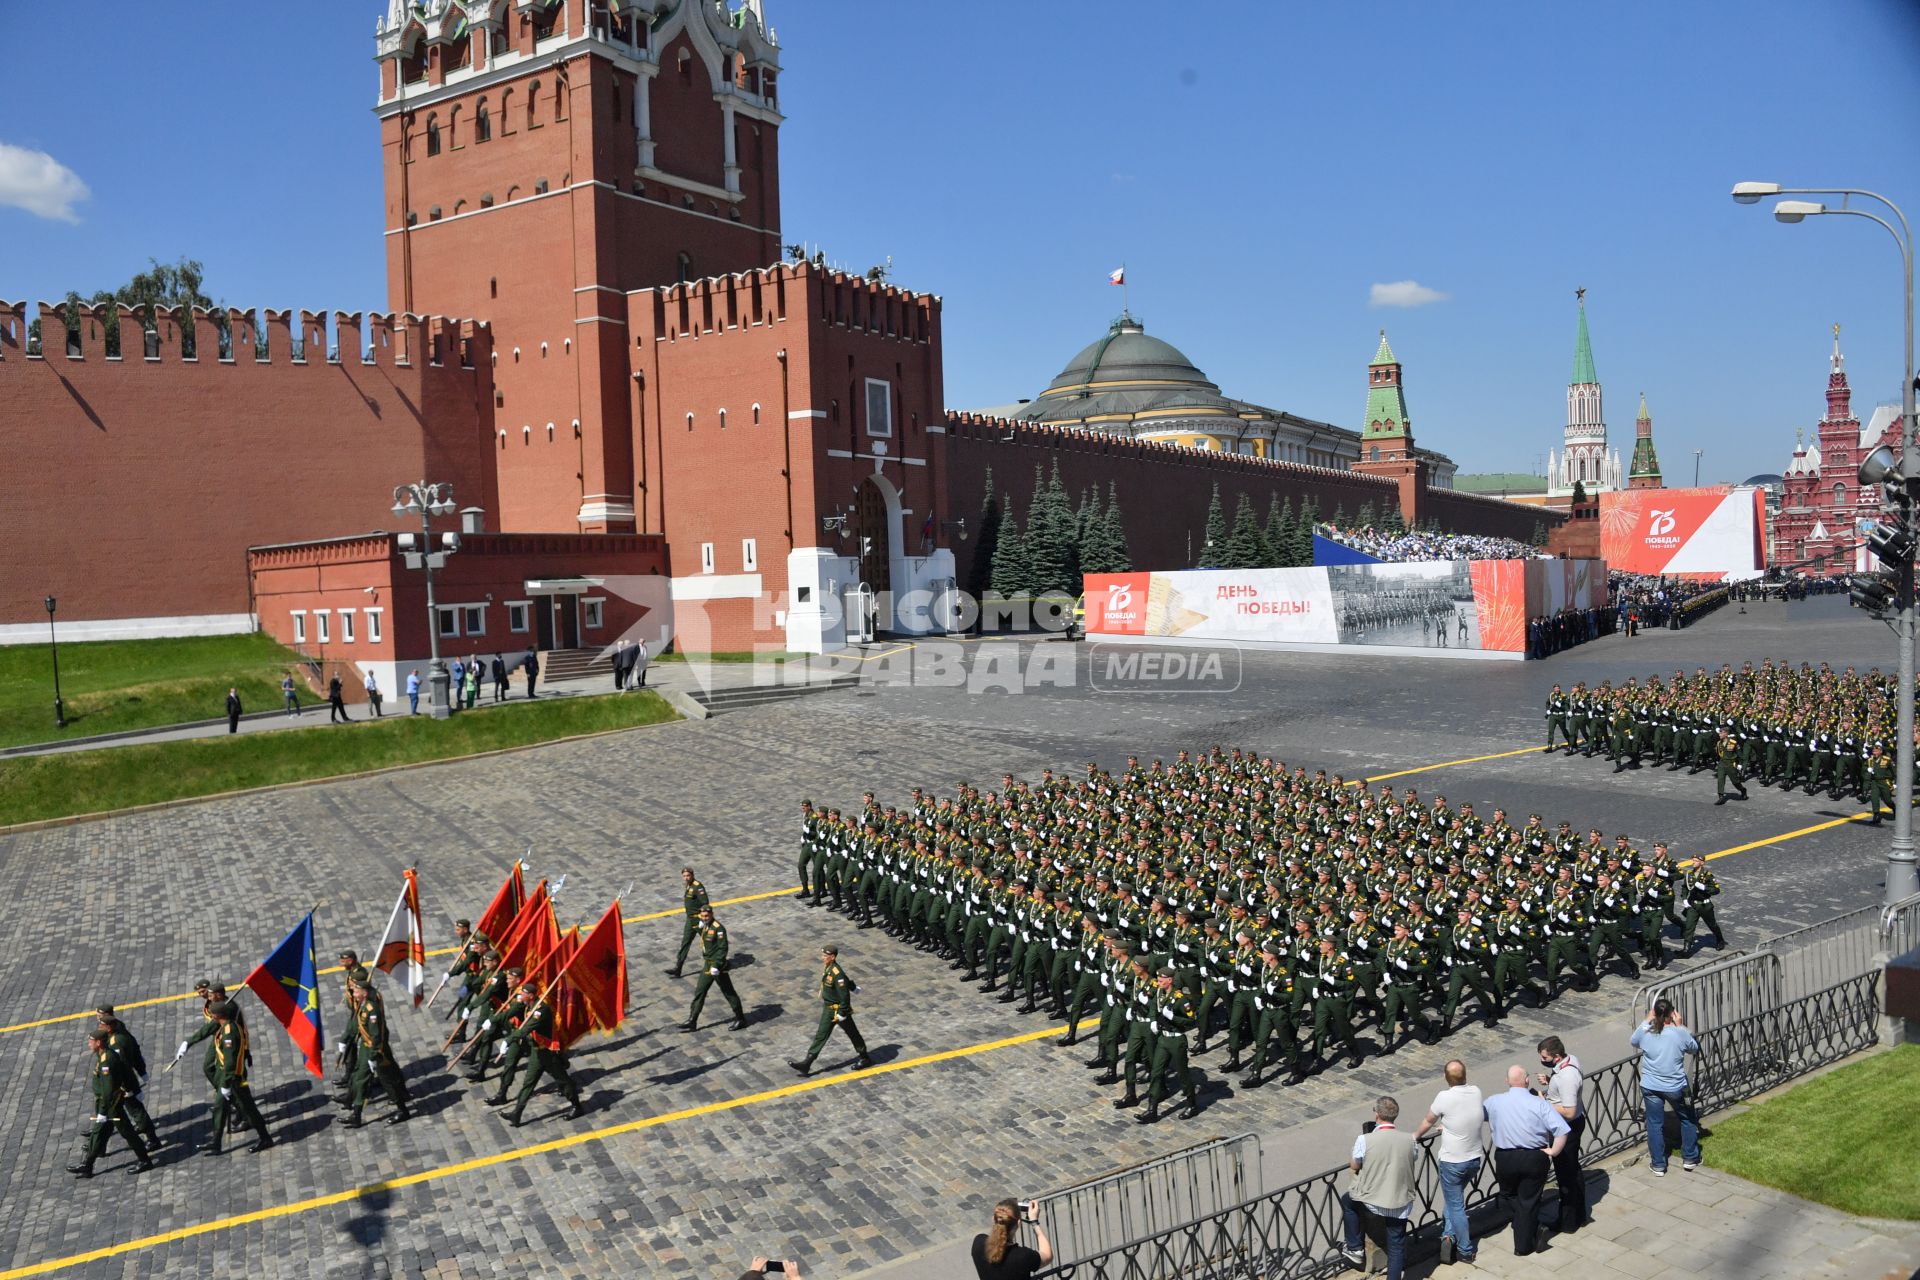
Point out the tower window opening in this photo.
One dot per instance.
(457, 55)
(433, 135)
(533, 105)
(685, 267)
(544, 22)
(559, 100)
(686, 68)
(482, 123)
(506, 112)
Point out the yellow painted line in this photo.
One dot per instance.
(517, 1154)
(1448, 764)
(442, 951)
(1791, 835)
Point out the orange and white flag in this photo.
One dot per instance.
(403, 948)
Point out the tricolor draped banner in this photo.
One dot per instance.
(403, 947)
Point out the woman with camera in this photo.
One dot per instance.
(997, 1257)
(1664, 1042)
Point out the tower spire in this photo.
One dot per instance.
(1839, 361)
(1583, 373)
(1645, 471)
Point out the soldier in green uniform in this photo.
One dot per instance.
(1726, 754)
(810, 856)
(373, 1054)
(1700, 888)
(347, 1047)
(1335, 981)
(836, 1010)
(467, 964)
(1243, 981)
(231, 1054)
(123, 1046)
(495, 1027)
(1174, 1015)
(513, 1049)
(693, 897)
(1557, 719)
(1116, 985)
(713, 969)
(1472, 949)
(536, 1030)
(1405, 965)
(1610, 908)
(113, 1083)
(1141, 1004)
(1089, 962)
(1878, 773)
(1567, 923)
(1278, 997)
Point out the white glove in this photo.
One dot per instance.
(181, 1052)
(99, 1119)
(226, 1093)
(836, 1017)
(714, 972)
(487, 1025)
(500, 1049)
(340, 1046)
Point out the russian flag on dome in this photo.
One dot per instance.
(1118, 276)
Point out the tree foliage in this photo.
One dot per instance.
(1213, 545)
(1011, 575)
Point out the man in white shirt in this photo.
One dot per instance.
(1457, 1109)
(373, 694)
(1562, 1081)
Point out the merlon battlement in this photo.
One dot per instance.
(767, 295)
(188, 335)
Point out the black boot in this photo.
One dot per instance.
(1009, 996)
(674, 972)
(574, 1109)
(1192, 1108)
(1111, 1077)
(263, 1144)
(1028, 1007)
(801, 1067)
(83, 1170)
(1131, 1100)
(1070, 1039)
(354, 1121)
(863, 1063)
(1233, 1061)
(1253, 1080)
(1151, 1115)
(401, 1116)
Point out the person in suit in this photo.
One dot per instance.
(622, 663)
(532, 663)
(499, 678)
(637, 665)
(336, 703)
(233, 710)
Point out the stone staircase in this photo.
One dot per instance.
(742, 696)
(557, 665)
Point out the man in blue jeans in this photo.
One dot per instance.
(1457, 1110)
(1383, 1173)
(1664, 1043)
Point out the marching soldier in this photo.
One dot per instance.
(1726, 754)
(231, 1054)
(1405, 966)
(536, 1030)
(513, 1048)
(373, 1054)
(497, 1025)
(694, 898)
(1557, 719)
(1610, 907)
(713, 969)
(347, 1046)
(810, 858)
(1472, 949)
(1568, 918)
(836, 1010)
(467, 964)
(1277, 1003)
(1700, 888)
(1174, 1016)
(123, 1046)
(113, 1083)
(1878, 772)
(1335, 981)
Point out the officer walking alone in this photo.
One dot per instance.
(836, 1010)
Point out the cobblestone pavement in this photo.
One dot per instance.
(715, 1155)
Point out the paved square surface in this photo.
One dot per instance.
(701, 1150)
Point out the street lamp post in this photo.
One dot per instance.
(53, 642)
(1696, 468)
(1902, 882)
(427, 501)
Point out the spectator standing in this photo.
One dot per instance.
(1383, 1172)
(1457, 1109)
(373, 694)
(473, 681)
(1527, 1134)
(413, 692)
(621, 660)
(336, 704)
(532, 663)
(233, 710)
(637, 667)
(997, 1257)
(499, 674)
(1564, 1085)
(287, 692)
(456, 684)
(1664, 1043)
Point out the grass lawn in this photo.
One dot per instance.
(112, 685)
(33, 788)
(1845, 1139)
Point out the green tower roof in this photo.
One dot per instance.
(1386, 405)
(1583, 353)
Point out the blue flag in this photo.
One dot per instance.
(288, 983)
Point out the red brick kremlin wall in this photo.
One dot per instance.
(133, 487)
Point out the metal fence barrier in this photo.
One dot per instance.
(1151, 1198)
(1820, 955)
(1900, 926)
(1295, 1233)
(1732, 988)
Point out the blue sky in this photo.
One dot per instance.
(1258, 166)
